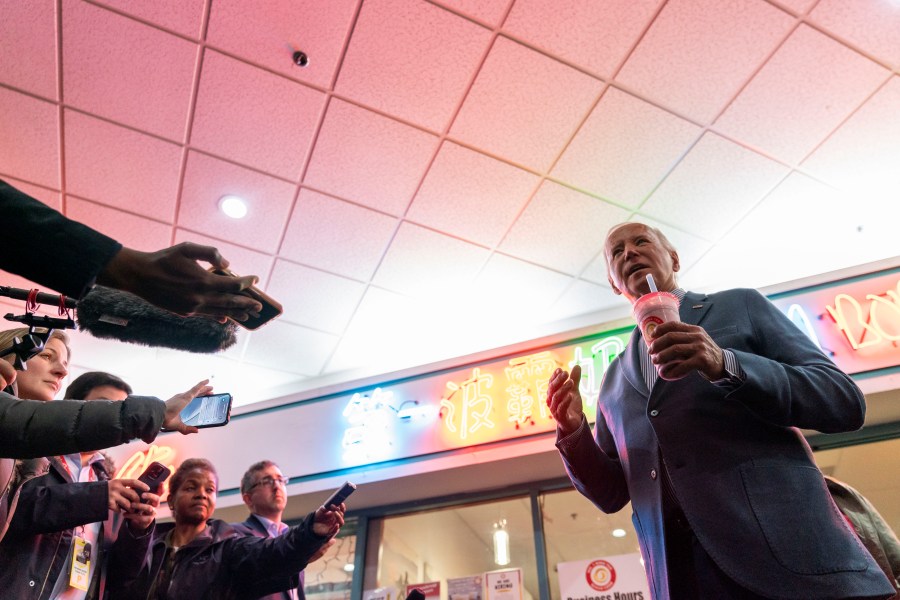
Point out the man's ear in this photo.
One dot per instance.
(676, 263)
(246, 499)
(170, 500)
(615, 290)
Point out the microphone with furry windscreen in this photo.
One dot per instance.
(113, 314)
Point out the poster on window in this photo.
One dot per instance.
(385, 593)
(432, 589)
(503, 585)
(465, 588)
(619, 577)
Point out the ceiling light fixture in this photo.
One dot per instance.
(619, 533)
(501, 543)
(348, 568)
(233, 206)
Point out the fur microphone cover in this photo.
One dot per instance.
(114, 314)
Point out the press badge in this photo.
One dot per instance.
(81, 564)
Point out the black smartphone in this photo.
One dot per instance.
(340, 494)
(271, 308)
(207, 411)
(154, 475)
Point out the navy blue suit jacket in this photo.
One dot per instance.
(742, 472)
(253, 526)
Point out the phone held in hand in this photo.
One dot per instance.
(271, 308)
(340, 494)
(207, 411)
(154, 475)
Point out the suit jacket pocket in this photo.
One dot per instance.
(803, 528)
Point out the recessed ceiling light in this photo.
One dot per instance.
(348, 567)
(233, 206)
(618, 532)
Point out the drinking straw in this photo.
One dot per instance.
(651, 283)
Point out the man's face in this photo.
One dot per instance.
(45, 373)
(195, 500)
(267, 499)
(106, 392)
(632, 252)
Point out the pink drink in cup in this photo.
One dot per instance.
(653, 309)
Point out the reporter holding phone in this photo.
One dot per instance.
(198, 556)
(264, 491)
(67, 508)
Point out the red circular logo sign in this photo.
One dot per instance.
(600, 575)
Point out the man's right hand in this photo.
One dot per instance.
(174, 405)
(172, 279)
(564, 399)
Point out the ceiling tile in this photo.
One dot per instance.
(488, 11)
(471, 195)
(321, 300)
(594, 35)
(126, 71)
(583, 297)
(281, 345)
(49, 197)
(690, 247)
(561, 228)
(422, 262)
(796, 6)
(524, 106)
(29, 130)
(863, 155)
(623, 131)
(182, 16)
(509, 289)
(246, 383)
(872, 25)
(29, 29)
(424, 57)
(270, 37)
(716, 184)
(269, 200)
(237, 105)
(674, 64)
(809, 229)
(378, 336)
(133, 231)
(121, 167)
(243, 261)
(596, 270)
(368, 158)
(807, 88)
(337, 236)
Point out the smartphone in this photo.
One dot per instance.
(154, 475)
(340, 494)
(207, 411)
(271, 308)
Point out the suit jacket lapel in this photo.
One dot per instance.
(61, 470)
(694, 308)
(631, 363)
(255, 524)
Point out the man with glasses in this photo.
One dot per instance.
(264, 490)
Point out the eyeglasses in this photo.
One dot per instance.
(271, 482)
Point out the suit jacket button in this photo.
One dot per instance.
(652, 473)
(654, 412)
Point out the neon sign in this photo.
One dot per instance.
(475, 405)
(880, 322)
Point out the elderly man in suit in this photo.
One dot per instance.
(264, 491)
(697, 427)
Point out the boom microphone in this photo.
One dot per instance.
(113, 314)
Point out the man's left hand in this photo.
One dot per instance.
(678, 348)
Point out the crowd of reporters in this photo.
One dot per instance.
(70, 530)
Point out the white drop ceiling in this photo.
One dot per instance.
(439, 179)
